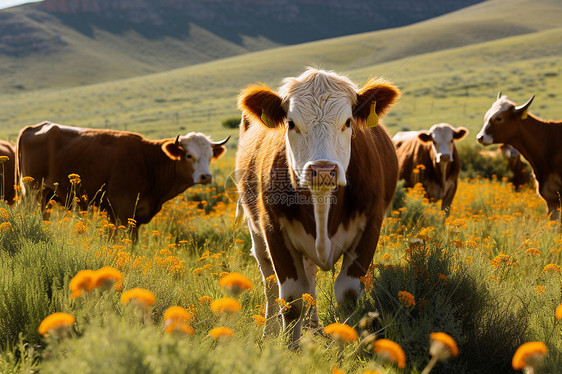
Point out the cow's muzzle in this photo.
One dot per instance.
(205, 178)
(319, 175)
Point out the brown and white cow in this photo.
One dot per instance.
(537, 140)
(131, 175)
(435, 150)
(517, 167)
(7, 168)
(316, 175)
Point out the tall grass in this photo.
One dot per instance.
(478, 275)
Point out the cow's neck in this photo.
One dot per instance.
(165, 181)
(531, 139)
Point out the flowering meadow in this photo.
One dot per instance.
(444, 294)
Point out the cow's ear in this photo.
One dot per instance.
(460, 133)
(218, 151)
(374, 100)
(262, 104)
(425, 136)
(173, 149)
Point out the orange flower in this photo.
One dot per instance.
(235, 283)
(140, 296)
(308, 300)
(106, 277)
(540, 290)
(205, 300)
(442, 346)
(341, 332)
(529, 354)
(226, 305)
(179, 327)
(176, 313)
(558, 312)
(221, 332)
(259, 320)
(27, 179)
(551, 268)
(389, 351)
(406, 299)
(56, 323)
(337, 371)
(83, 281)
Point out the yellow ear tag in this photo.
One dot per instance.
(524, 114)
(265, 120)
(373, 119)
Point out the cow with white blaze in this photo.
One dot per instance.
(537, 140)
(128, 175)
(316, 174)
(435, 151)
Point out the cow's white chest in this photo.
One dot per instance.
(324, 251)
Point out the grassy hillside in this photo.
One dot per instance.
(452, 84)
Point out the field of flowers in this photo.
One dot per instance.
(188, 297)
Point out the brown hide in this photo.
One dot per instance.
(116, 168)
(413, 152)
(7, 171)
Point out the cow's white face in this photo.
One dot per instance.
(442, 137)
(199, 153)
(494, 116)
(319, 117)
(194, 152)
(318, 111)
(319, 136)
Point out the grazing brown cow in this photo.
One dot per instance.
(130, 176)
(520, 175)
(435, 150)
(537, 140)
(7, 167)
(316, 175)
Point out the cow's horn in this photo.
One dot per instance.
(499, 95)
(222, 142)
(177, 139)
(525, 106)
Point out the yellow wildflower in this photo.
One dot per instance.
(205, 300)
(79, 228)
(308, 300)
(106, 277)
(179, 327)
(530, 354)
(56, 323)
(341, 332)
(406, 299)
(551, 268)
(442, 346)
(259, 320)
(236, 283)
(5, 226)
(27, 179)
(140, 296)
(558, 312)
(389, 351)
(533, 251)
(176, 313)
(540, 290)
(221, 332)
(84, 280)
(226, 305)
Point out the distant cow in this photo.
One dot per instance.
(435, 150)
(316, 175)
(131, 175)
(537, 140)
(517, 167)
(7, 167)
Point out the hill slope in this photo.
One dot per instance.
(61, 43)
(455, 85)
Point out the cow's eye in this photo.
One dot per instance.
(189, 156)
(291, 125)
(498, 119)
(348, 122)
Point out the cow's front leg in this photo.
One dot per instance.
(448, 199)
(259, 250)
(292, 279)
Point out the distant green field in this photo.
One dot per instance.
(452, 84)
